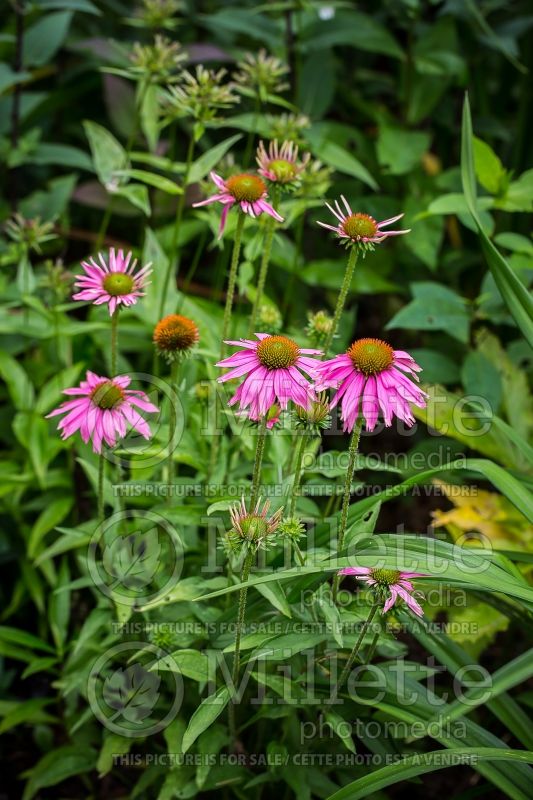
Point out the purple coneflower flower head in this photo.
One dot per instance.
(248, 190)
(370, 379)
(273, 367)
(357, 229)
(280, 164)
(114, 281)
(389, 584)
(104, 409)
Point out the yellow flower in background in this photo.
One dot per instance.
(487, 513)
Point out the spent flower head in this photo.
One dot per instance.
(260, 74)
(175, 337)
(158, 62)
(29, 233)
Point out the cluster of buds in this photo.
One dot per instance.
(157, 14)
(201, 95)
(261, 75)
(316, 181)
(30, 234)
(292, 528)
(316, 416)
(165, 638)
(254, 529)
(289, 127)
(158, 62)
(270, 319)
(175, 337)
(318, 327)
(56, 280)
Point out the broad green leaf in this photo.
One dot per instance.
(434, 308)
(152, 179)
(204, 716)
(400, 151)
(108, 154)
(489, 169)
(208, 160)
(43, 39)
(19, 385)
(58, 765)
(515, 295)
(338, 157)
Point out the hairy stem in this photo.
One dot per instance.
(265, 261)
(353, 655)
(352, 456)
(238, 634)
(101, 465)
(172, 426)
(233, 270)
(297, 473)
(114, 342)
(341, 300)
(259, 452)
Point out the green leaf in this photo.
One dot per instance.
(421, 764)
(152, 179)
(337, 157)
(515, 295)
(352, 28)
(108, 154)
(480, 377)
(52, 391)
(43, 39)
(208, 160)
(137, 195)
(399, 151)
(18, 383)
(53, 514)
(9, 78)
(490, 171)
(435, 308)
(31, 712)
(58, 765)
(204, 716)
(190, 663)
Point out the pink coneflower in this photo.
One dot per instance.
(359, 229)
(272, 366)
(390, 584)
(112, 283)
(103, 410)
(254, 526)
(369, 377)
(248, 190)
(280, 164)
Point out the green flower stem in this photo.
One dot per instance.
(265, 261)
(353, 655)
(174, 260)
(297, 473)
(341, 300)
(299, 555)
(172, 425)
(101, 465)
(259, 452)
(234, 266)
(352, 456)
(238, 633)
(114, 342)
